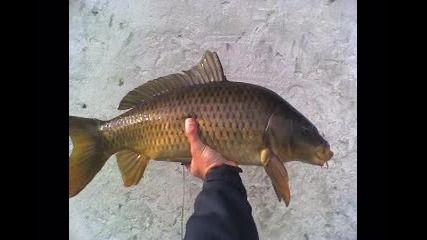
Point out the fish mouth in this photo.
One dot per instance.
(323, 156)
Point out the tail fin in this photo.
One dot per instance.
(87, 157)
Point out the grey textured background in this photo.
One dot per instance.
(305, 50)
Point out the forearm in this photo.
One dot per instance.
(221, 210)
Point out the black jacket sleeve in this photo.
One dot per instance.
(221, 210)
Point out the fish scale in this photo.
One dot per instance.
(232, 118)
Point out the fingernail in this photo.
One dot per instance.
(189, 122)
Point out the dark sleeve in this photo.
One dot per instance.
(221, 210)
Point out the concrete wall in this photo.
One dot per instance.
(305, 50)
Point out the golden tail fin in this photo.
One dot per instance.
(87, 157)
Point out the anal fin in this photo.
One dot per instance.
(278, 175)
(132, 166)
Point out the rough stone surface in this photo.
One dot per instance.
(304, 50)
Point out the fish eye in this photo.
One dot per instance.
(305, 130)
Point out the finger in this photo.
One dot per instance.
(191, 131)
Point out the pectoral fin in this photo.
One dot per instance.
(278, 175)
(279, 196)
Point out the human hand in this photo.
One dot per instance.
(203, 157)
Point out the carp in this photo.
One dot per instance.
(246, 123)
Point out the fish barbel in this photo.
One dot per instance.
(246, 123)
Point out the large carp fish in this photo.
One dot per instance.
(246, 123)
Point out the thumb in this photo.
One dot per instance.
(193, 137)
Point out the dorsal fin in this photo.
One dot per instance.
(209, 69)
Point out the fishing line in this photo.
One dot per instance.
(182, 208)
